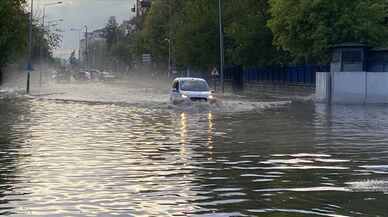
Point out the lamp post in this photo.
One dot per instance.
(86, 48)
(169, 57)
(29, 65)
(48, 5)
(50, 23)
(221, 45)
(79, 41)
(43, 28)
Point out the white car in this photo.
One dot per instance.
(188, 90)
(107, 76)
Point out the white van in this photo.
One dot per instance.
(187, 90)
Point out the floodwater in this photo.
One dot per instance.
(64, 153)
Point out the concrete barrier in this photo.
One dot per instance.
(322, 90)
(377, 87)
(349, 87)
(352, 87)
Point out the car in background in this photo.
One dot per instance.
(106, 76)
(188, 90)
(94, 74)
(60, 76)
(82, 75)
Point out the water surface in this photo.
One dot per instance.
(72, 158)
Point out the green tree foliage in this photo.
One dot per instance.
(197, 34)
(307, 28)
(192, 26)
(112, 32)
(257, 32)
(13, 25)
(246, 27)
(44, 42)
(14, 34)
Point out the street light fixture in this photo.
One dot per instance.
(29, 65)
(169, 56)
(79, 30)
(54, 21)
(44, 9)
(221, 45)
(43, 27)
(86, 48)
(79, 41)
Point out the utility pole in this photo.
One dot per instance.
(79, 40)
(220, 11)
(169, 56)
(86, 48)
(29, 67)
(137, 9)
(44, 29)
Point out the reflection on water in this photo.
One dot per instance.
(85, 159)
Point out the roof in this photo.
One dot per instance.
(347, 45)
(379, 50)
(189, 78)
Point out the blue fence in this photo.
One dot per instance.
(287, 75)
(294, 75)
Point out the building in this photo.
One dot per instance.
(358, 75)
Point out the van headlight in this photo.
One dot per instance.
(184, 96)
(211, 97)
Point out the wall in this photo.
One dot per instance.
(323, 86)
(352, 87)
(377, 87)
(349, 87)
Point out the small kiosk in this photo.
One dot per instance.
(358, 75)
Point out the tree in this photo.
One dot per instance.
(307, 28)
(192, 28)
(250, 39)
(13, 25)
(13, 34)
(197, 34)
(112, 32)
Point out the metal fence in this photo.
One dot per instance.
(292, 75)
(304, 75)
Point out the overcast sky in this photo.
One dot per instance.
(77, 13)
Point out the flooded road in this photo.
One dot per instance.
(66, 155)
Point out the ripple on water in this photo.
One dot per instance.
(102, 159)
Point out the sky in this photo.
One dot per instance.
(77, 13)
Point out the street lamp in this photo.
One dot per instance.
(54, 21)
(48, 5)
(86, 48)
(29, 65)
(43, 28)
(79, 41)
(221, 45)
(169, 56)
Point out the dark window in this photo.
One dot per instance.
(194, 85)
(352, 56)
(175, 85)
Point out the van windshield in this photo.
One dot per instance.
(194, 85)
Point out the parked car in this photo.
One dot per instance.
(107, 76)
(188, 90)
(82, 76)
(94, 74)
(61, 76)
